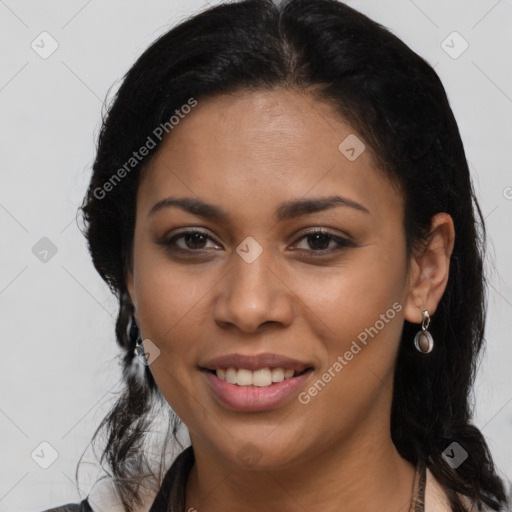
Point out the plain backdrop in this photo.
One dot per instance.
(58, 364)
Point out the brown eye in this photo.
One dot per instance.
(193, 241)
(318, 242)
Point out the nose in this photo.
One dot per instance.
(253, 294)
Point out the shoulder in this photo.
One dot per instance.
(435, 497)
(83, 506)
(508, 489)
(436, 500)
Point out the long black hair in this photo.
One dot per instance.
(398, 106)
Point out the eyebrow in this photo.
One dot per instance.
(285, 211)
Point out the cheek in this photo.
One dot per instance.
(169, 307)
(363, 313)
(361, 304)
(170, 314)
(354, 296)
(168, 298)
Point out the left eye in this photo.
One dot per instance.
(318, 243)
(320, 240)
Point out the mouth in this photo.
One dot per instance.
(258, 390)
(261, 378)
(255, 383)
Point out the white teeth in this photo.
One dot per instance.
(288, 374)
(230, 375)
(244, 377)
(277, 375)
(262, 377)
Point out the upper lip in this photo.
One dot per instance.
(255, 362)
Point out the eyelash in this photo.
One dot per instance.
(342, 242)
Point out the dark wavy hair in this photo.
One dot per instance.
(398, 106)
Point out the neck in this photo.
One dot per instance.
(365, 474)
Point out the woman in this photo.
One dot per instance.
(282, 204)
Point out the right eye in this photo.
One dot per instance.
(191, 239)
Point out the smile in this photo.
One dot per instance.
(252, 383)
(262, 377)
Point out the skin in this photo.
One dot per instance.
(247, 153)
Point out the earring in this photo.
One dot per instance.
(139, 347)
(423, 340)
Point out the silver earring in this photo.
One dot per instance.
(423, 340)
(139, 347)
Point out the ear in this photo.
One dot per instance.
(429, 269)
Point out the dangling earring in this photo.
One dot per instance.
(423, 340)
(139, 347)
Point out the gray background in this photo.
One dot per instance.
(58, 361)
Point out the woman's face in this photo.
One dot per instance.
(257, 281)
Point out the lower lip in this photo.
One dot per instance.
(253, 398)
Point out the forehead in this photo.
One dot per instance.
(252, 148)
